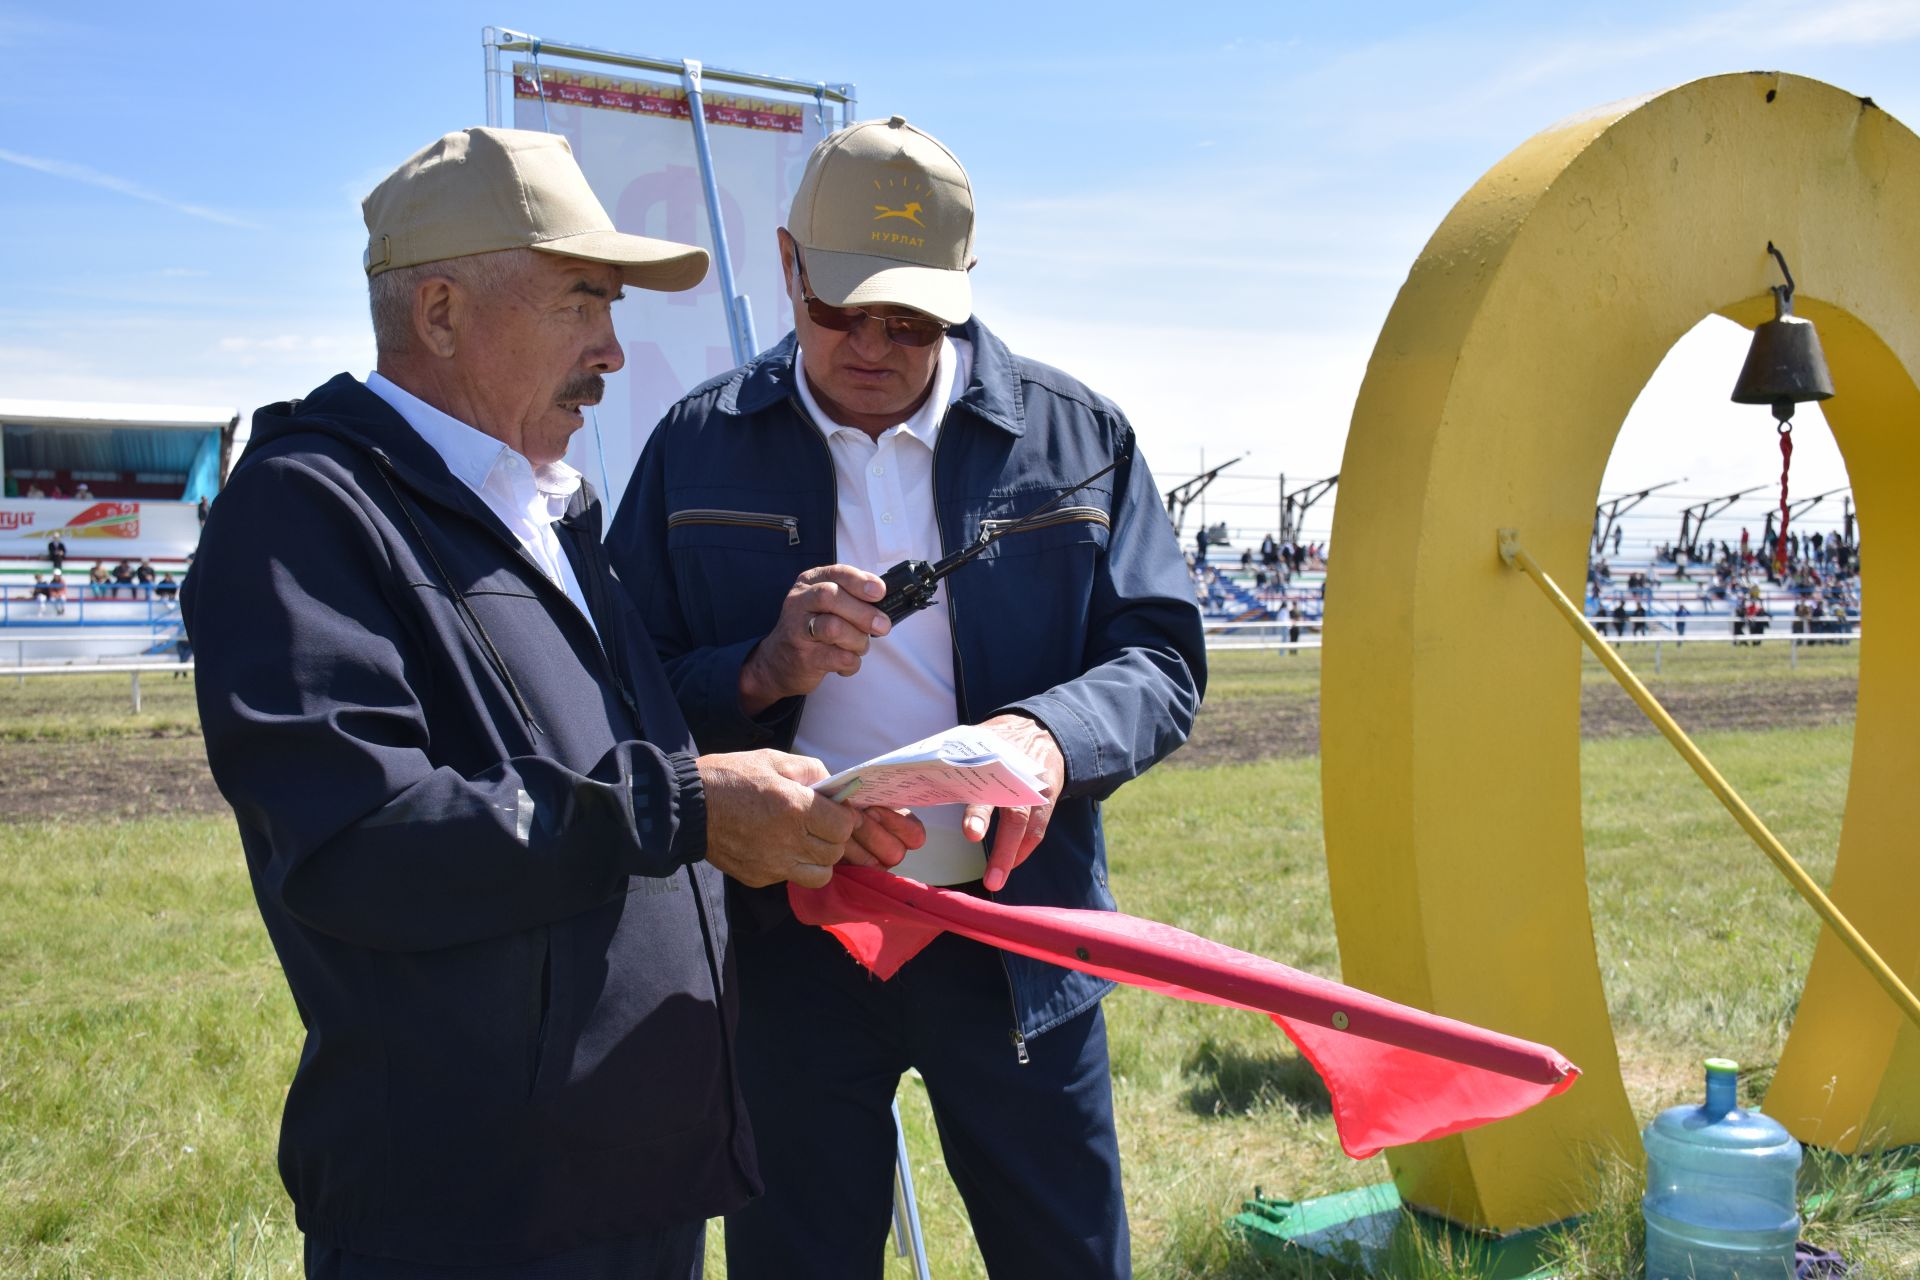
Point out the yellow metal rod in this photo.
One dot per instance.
(1514, 554)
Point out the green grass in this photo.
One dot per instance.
(78, 708)
(1274, 673)
(146, 1037)
(145, 1042)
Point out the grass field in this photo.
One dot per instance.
(146, 1037)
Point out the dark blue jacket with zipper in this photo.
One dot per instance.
(476, 838)
(1087, 621)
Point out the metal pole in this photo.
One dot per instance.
(743, 306)
(908, 1242)
(489, 41)
(514, 41)
(1516, 555)
(136, 692)
(1203, 492)
(730, 296)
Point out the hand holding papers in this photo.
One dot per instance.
(967, 764)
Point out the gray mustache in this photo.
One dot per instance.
(585, 390)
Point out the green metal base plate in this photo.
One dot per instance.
(1368, 1232)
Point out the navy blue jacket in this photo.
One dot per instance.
(475, 837)
(1086, 622)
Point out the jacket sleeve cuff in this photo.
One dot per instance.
(1079, 745)
(721, 722)
(689, 810)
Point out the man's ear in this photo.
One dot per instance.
(436, 315)
(789, 264)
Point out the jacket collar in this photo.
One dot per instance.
(993, 389)
(344, 408)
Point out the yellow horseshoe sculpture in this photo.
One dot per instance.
(1451, 754)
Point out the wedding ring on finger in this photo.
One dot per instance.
(811, 619)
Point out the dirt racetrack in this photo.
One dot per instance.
(1255, 728)
(107, 779)
(114, 778)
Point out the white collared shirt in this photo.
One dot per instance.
(528, 499)
(904, 689)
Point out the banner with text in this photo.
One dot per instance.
(634, 141)
(97, 529)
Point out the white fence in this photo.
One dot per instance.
(1267, 634)
(135, 669)
(1222, 637)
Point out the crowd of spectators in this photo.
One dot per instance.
(1819, 571)
(81, 491)
(1274, 595)
(1278, 563)
(123, 581)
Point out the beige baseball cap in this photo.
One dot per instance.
(482, 190)
(884, 214)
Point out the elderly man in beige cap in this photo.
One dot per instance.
(893, 426)
(481, 838)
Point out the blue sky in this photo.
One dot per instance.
(1205, 210)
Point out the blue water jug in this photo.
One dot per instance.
(1720, 1189)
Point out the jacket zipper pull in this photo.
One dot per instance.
(1020, 1046)
(792, 525)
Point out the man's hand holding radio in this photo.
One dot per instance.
(825, 625)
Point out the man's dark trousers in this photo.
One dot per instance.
(672, 1253)
(823, 1043)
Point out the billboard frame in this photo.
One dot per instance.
(692, 73)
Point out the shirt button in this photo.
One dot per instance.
(886, 518)
(879, 470)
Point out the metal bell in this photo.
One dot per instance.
(1785, 365)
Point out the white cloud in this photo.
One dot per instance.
(1757, 31)
(285, 344)
(123, 186)
(1866, 22)
(18, 30)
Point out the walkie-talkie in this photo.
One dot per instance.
(910, 584)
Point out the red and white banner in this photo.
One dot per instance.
(98, 528)
(634, 141)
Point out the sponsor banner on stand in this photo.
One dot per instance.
(95, 528)
(634, 140)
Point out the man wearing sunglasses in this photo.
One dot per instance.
(891, 425)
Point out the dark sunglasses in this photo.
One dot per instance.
(903, 331)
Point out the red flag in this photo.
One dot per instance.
(1396, 1074)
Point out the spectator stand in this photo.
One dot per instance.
(85, 485)
(1248, 588)
(1255, 590)
(1726, 591)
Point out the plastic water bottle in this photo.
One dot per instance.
(1720, 1189)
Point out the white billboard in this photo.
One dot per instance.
(95, 529)
(634, 140)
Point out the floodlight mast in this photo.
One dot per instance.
(1294, 506)
(1804, 505)
(1693, 520)
(1182, 495)
(1799, 508)
(1607, 514)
